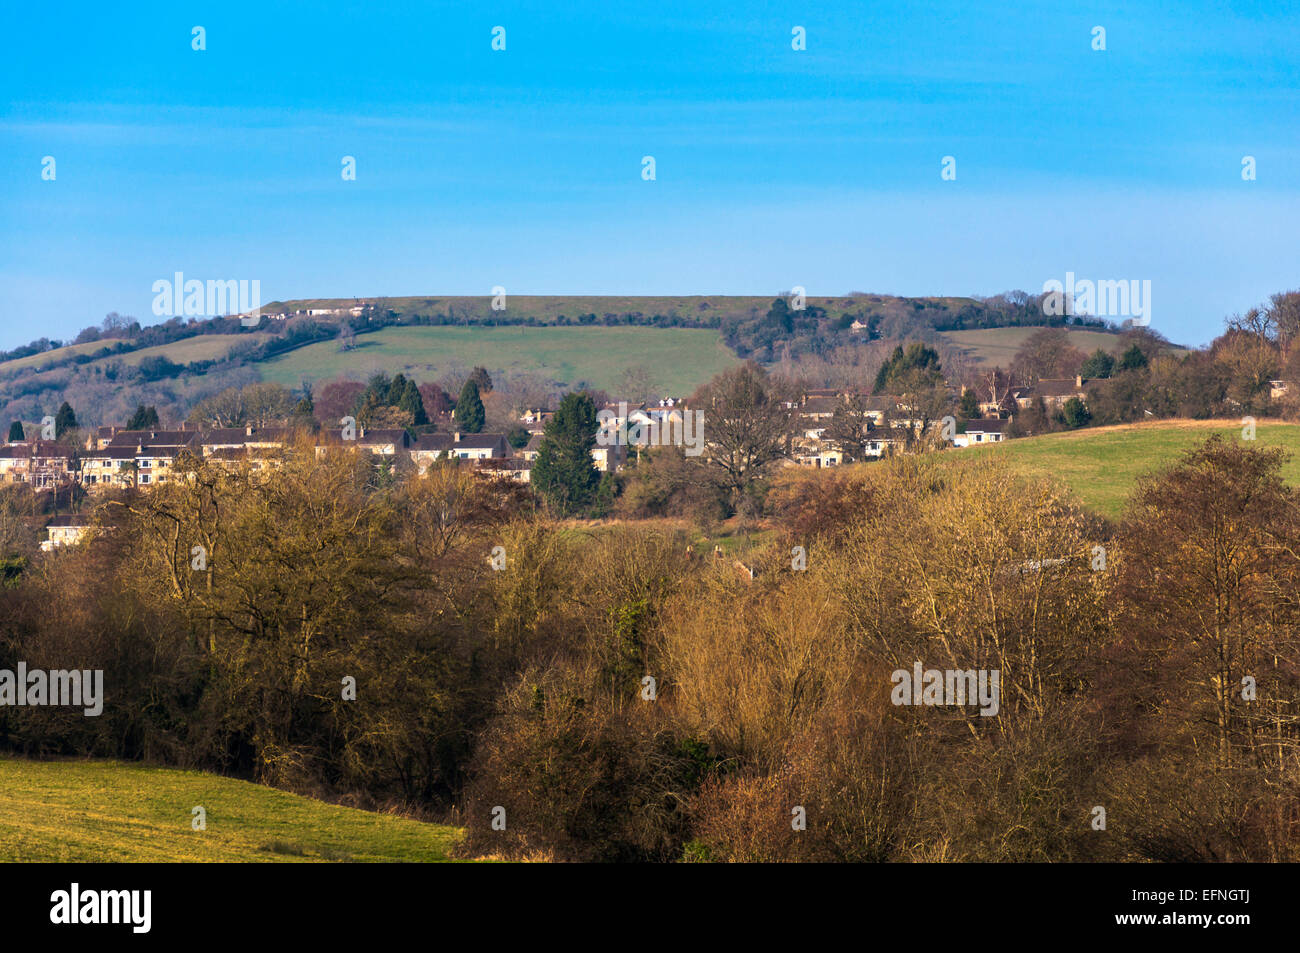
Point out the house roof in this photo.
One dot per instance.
(230, 453)
(158, 443)
(165, 438)
(444, 442)
(34, 448)
(987, 425)
(479, 441)
(133, 450)
(224, 435)
(274, 434)
(432, 442)
(395, 436)
(820, 405)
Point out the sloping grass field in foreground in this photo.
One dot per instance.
(110, 811)
(1101, 466)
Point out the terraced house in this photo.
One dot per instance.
(137, 458)
(1052, 391)
(461, 446)
(237, 447)
(42, 464)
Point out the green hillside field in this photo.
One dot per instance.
(997, 347)
(108, 811)
(1102, 465)
(50, 357)
(204, 347)
(679, 359)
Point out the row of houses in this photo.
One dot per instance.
(889, 425)
(114, 457)
(140, 458)
(144, 458)
(117, 458)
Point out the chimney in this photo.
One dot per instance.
(1078, 380)
(248, 431)
(456, 437)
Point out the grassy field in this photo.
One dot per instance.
(679, 359)
(204, 347)
(1102, 465)
(996, 347)
(49, 357)
(93, 811)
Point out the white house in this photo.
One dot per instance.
(980, 432)
(65, 531)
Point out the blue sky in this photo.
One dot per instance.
(522, 168)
